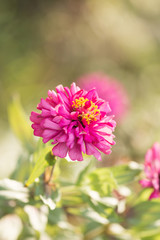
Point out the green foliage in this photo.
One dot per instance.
(73, 200)
(120, 38)
(11, 189)
(19, 123)
(75, 171)
(125, 174)
(102, 181)
(44, 160)
(142, 223)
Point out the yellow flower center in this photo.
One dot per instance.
(80, 102)
(89, 113)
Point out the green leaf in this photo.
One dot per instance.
(19, 123)
(85, 171)
(154, 237)
(102, 181)
(89, 213)
(91, 226)
(70, 170)
(48, 201)
(11, 189)
(143, 218)
(38, 148)
(52, 199)
(56, 215)
(143, 195)
(71, 196)
(45, 159)
(125, 173)
(22, 169)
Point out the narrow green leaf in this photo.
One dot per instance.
(19, 123)
(45, 159)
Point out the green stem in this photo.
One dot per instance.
(47, 184)
(51, 175)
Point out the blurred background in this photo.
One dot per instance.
(51, 42)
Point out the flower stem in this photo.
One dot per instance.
(48, 185)
(51, 175)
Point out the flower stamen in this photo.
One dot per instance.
(80, 102)
(89, 113)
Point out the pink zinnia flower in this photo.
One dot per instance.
(152, 171)
(76, 121)
(108, 89)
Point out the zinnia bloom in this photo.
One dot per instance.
(76, 121)
(108, 89)
(152, 171)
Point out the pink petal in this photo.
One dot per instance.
(63, 112)
(105, 107)
(71, 139)
(60, 88)
(57, 119)
(62, 137)
(82, 144)
(43, 104)
(38, 132)
(145, 183)
(48, 135)
(35, 117)
(154, 194)
(53, 95)
(51, 125)
(64, 96)
(157, 164)
(156, 150)
(91, 150)
(104, 147)
(148, 156)
(64, 122)
(75, 153)
(45, 113)
(92, 95)
(74, 89)
(68, 92)
(60, 150)
(155, 182)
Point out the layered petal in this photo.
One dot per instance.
(152, 170)
(75, 121)
(60, 150)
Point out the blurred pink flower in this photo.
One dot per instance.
(76, 121)
(152, 171)
(108, 89)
